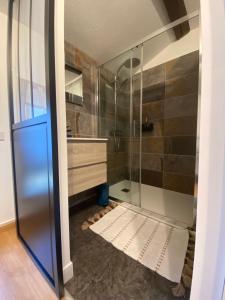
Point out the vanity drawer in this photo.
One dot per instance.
(84, 153)
(83, 178)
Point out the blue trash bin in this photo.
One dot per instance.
(103, 198)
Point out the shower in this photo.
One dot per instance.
(129, 63)
(150, 121)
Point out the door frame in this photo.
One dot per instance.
(51, 116)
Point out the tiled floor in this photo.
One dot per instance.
(104, 273)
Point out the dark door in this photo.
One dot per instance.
(34, 133)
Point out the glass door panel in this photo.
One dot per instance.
(15, 69)
(135, 125)
(120, 112)
(38, 57)
(28, 49)
(169, 125)
(24, 61)
(114, 122)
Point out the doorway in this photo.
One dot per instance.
(34, 134)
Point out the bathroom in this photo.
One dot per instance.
(132, 132)
(112, 156)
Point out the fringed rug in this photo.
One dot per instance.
(158, 246)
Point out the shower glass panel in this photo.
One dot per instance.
(24, 61)
(135, 126)
(169, 123)
(118, 123)
(148, 108)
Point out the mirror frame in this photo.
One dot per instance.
(71, 98)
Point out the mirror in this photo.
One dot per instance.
(73, 85)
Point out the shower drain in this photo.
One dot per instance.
(125, 190)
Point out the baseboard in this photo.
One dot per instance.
(67, 272)
(8, 225)
(67, 295)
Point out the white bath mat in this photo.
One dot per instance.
(158, 246)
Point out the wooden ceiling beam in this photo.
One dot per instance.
(176, 9)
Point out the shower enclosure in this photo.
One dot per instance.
(148, 104)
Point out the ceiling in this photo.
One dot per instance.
(4, 6)
(104, 28)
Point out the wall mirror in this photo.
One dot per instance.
(73, 85)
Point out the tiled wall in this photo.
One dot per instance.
(170, 101)
(83, 119)
(170, 97)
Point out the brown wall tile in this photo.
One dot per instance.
(105, 127)
(182, 66)
(152, 111)
(152, 93)
(124, 144)
(183, 106)
(106, 109)
(153, 178)
(180, 126)
(157, 129)
(170, 102)
(153, 162)
(179, 164)
(179, 183)
(183, 145)
(153, 145)
(117, 159)
(181, 86)
(154, 75)
(134, 144)
(117, 174)
(135, 161)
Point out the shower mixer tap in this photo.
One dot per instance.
(116, 136)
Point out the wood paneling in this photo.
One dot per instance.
(176, 9)
(83, 178)
(87, 153)
(86, 165)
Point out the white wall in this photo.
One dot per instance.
(7, 212)
(185, 45)
(209, 264)
(62, 138)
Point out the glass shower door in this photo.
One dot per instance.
(119, 121)
(135, 126)
(114, 122)
(148, 111)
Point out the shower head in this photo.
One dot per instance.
(134, 62)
